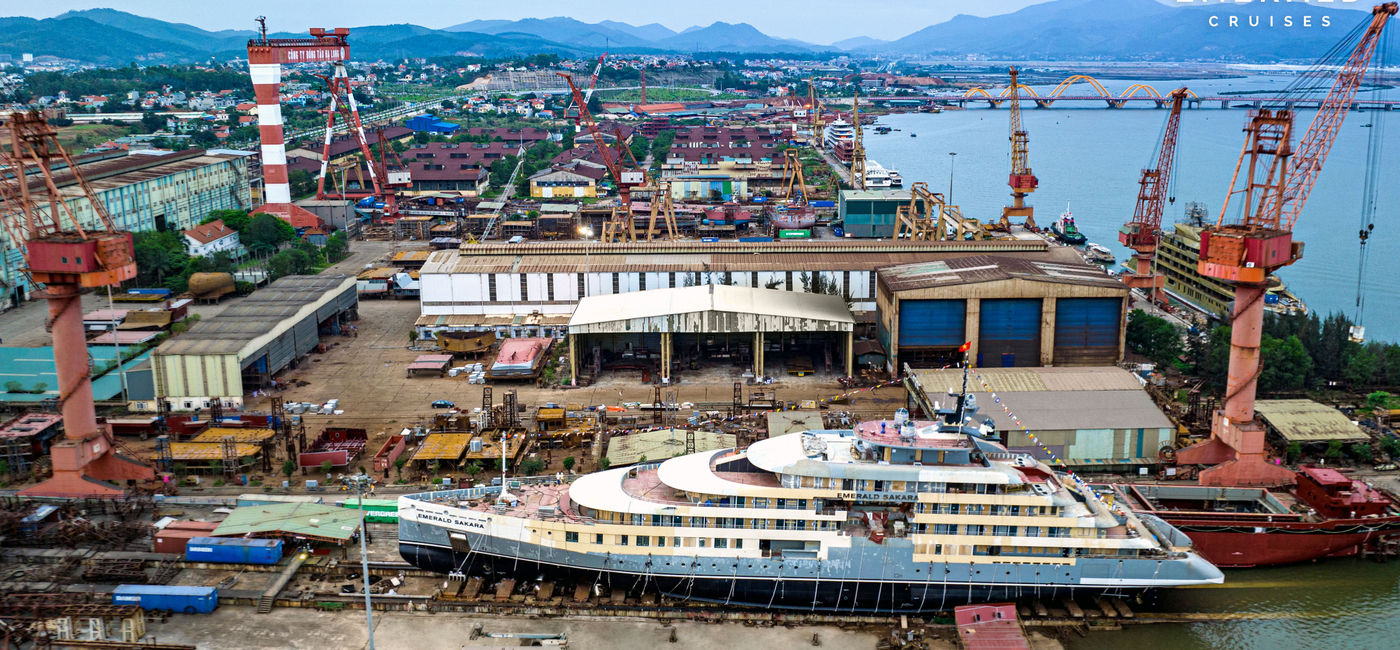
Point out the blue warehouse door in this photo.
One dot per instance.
(1009, 333)
(930, 331)
(1087, 331)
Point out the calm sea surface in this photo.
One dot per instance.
(1090, 159)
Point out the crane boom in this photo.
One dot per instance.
(857, 146)
(593, 82)
(1275, 187)
(1317, 141)
(1141, 233)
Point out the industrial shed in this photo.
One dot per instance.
(1015, 312)
(247, 344)
(712, 322)
(1088, 417)
(1305, 421)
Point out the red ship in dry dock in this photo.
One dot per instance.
(1327, 514)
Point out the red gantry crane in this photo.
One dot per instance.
(622, 166)
(69, 258)
(1022, 181)
(1142, 233)
(1272, 192)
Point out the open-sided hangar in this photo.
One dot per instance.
(245, 345)
(710, 322)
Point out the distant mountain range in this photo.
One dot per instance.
(1058, 29)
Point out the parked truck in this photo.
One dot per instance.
(235, 550)
(190, 600)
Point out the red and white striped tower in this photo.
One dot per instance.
(265, 59)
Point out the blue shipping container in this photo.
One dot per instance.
(189, 600)
(150, 292)
(755, 239)
(236, 550)
(823, 204)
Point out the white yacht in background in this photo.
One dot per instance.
(876, 176)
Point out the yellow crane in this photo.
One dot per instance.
(815, 113)
(1022, 181)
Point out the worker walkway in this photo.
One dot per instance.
(269, 596)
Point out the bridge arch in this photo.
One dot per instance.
(1135, 88)
(1073, 79)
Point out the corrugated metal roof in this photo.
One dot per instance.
(990, 268)
(1006, 380)
(821, 246)
(307, 519)
(265, 311)
(661, 445)
(1303, 420)
(620, 307)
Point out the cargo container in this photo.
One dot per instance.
(234, 550)
(190, 600)
(390, 452)
(383, 511)
(173, 537)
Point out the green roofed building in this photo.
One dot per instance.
(293, 521)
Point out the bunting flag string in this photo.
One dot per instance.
(1049, 453)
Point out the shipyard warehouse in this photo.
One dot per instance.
(225, 358)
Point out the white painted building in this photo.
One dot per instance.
(209, 238)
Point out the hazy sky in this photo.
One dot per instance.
(816, 21)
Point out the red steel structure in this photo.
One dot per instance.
(1274, 188)
(69, 260)
(265, 59)
(1021, 180)
(1142, 233)
(343, 104)
(622, 166)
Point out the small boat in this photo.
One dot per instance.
(1065, 230)
(913, 135)
(1098, 253)
(882, 130)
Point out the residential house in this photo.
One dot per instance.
(209, 238)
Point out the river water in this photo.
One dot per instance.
(1090, 158)
(1341, 604)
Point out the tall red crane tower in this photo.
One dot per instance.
(1273, 189)
(622, 166)
(69, 259)
(1141, 234)
(265, 59)
(1022, 180)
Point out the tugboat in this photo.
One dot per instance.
(1065, 230)
(892, 515)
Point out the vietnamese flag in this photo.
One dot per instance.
(965, 347)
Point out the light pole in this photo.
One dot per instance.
(952, 160)
(363, 481)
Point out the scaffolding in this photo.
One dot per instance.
(165, 460)
(229, 452)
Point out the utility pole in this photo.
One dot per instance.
(952, 160)
(362, 481)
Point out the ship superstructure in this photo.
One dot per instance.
(892, 515)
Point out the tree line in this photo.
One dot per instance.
(1299, 352)
(163, 259)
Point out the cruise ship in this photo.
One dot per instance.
(839, 137)
(889, 516)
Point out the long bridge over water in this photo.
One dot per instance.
(1140, 95)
